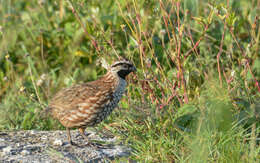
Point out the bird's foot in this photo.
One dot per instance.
(72, 143)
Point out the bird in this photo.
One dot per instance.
(87, 104)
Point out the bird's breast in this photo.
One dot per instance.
(114, 100)
(109, 105)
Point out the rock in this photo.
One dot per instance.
(53, 146)
(7, 150)
(57, 142)
(25, 152)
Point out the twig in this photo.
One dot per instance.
(180, 68)
(197, 43)
(94, 43)
(247, 61)
(220, 52)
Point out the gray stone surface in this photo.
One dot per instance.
(52, 146)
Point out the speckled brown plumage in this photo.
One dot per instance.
(88, 104)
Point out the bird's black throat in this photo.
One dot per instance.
(123, 73)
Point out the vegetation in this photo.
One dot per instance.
(194, 98)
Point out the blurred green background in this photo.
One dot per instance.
(194, 98)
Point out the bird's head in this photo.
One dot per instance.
(123, 67)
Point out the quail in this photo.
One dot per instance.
(85, 105)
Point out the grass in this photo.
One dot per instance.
(194, 98)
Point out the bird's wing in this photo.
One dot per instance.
(68, 97)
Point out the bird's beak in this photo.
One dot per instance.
(134, 69)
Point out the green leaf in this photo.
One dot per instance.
(186, 109)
